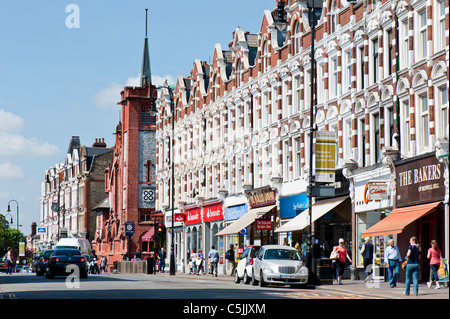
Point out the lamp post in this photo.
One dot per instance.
(172, 192)
(9, 211)
(314, 11)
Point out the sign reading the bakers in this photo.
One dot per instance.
(420, 181)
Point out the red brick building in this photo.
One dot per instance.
(130, 177)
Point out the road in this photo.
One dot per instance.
(137, 286)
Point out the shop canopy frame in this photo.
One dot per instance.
(245, 220)
(148, 236)
(398, 219)
(319, 209)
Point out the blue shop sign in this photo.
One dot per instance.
(291, 206)
(235, 212)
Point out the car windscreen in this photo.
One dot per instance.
(47, 253)
(66, 252)
(284, 254)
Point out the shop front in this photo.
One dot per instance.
(419, 209)
(372, 203)
(179, 246)
(331, 220)
(244, 230)
(193, 230)
(213, 222)
(291, 207)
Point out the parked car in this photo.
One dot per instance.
(34, 264)
(279, 265)
(25, 269)
(244, 269)
(3, 265)
(62, 261)
(43, 260)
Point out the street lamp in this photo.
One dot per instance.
(9, 211)
(172, 192)
(314, 11)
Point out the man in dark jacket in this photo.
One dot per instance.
(367, 254)
(231, 259)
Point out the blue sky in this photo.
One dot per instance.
(57, 82)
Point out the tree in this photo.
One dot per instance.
(9, 237)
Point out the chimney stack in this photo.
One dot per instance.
(99, 142)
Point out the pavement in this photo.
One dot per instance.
(359, 287)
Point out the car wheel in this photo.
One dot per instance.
(254, 281)
(247, 278)
(261, 280)
(237, 280)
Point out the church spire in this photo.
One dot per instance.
(146, 74)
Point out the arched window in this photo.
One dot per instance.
(296, 33)
(238, 73)
(265, 56)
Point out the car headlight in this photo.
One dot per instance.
(303, 270)
(268, 269)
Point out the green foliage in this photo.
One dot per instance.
(9, 237)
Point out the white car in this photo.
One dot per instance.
(279, 265)
(244, 269)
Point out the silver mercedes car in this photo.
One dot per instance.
(279, 265)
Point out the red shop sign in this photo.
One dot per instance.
(180, 217)
(193, 216)
(263, 224)
(212, 212)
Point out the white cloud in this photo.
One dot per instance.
(17, 146)
(10, 171)
(10, 122)
(109, 97)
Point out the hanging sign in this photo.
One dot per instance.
(325, 156)
(263, 224)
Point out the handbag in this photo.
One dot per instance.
(404, 264)
(198, 262)
(334, 255)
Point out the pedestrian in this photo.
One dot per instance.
(194, 261)
(435, 257)
(137, 254)
(200, 262)
(367, 254)
(104, 264)
(231, 258)
(162, 259)
(8, 258)
(392, 260)
(189, 257)
(213, 258)
(340, 262)
(412, 266)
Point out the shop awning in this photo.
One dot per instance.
(398, 219)
(246, 220)
(148, 236)
(318, 210)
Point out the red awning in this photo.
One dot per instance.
(148, 236)
(398, 219)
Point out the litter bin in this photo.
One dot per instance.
(150, 266)
(325, 271)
